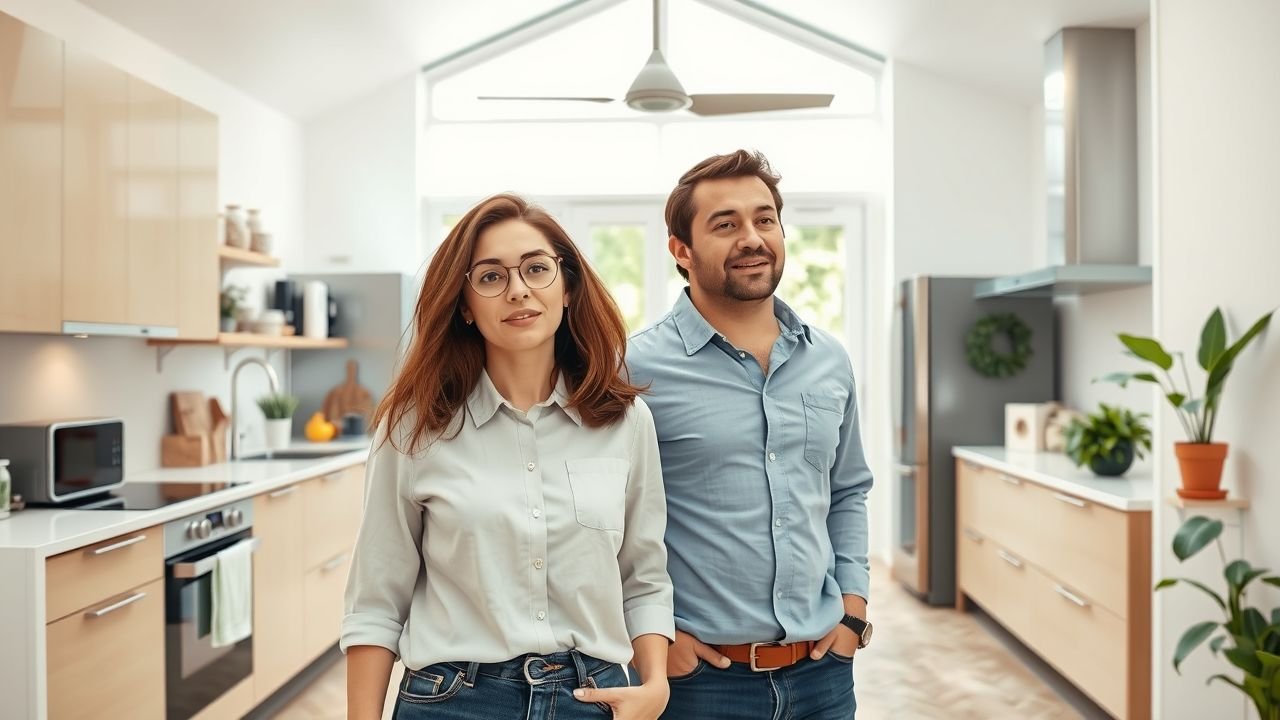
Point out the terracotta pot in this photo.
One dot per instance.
(1201, 465)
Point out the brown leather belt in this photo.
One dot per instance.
(765, 656)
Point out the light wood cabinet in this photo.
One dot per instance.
(333, 508)
(198, 267)
(152, 197)
(95, 213)
(278, 597)
(95, 656)
(325, 585)
(78, 578)
(1069, 577)
(31, 119)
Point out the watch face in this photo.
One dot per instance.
(866, 635)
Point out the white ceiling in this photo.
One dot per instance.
(304, 56)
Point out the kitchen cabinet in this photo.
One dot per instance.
(31, 118)
(152, 206)
(1054, 567)
(198, 270)
(278, 596)
(105, 629)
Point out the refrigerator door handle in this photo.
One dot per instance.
(906, 470)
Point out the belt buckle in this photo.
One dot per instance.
(753, 665)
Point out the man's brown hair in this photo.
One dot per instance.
(740, 163)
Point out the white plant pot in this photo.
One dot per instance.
(279, 433)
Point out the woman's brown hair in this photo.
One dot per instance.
(446, 356)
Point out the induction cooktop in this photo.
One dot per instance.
(145, 496)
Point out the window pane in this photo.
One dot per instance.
(618, 257)
(813, 282)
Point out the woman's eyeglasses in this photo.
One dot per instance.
(536, 271)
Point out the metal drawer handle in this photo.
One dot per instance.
(332, 476)
(282, 493)
(972, 535)
(1011, 480)
(116, 546)
(334, 563)
(906, 470)
(1070, 596)
(115, 606)
(205, 566)
(1009, 558)
(1070, 500)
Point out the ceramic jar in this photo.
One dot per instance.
(237, 227)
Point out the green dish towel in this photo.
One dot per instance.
(233, 594)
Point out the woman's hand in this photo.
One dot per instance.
(643, 702)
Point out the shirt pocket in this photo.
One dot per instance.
(599, 491)
(822, 418)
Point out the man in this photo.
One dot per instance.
(765, 476)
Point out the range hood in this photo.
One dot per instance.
(1091, 164)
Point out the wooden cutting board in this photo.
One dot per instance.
(348, 398)
(190, 413)
(219, 422)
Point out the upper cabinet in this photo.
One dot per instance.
(108, 197)
(31, 122)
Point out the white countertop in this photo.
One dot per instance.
(1132, 492)
(49, 531)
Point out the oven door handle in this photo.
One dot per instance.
(205, 566)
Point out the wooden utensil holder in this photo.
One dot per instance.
(185, 450)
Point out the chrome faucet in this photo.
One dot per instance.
(275, 388)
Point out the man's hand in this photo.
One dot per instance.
(643, 702)
(841, 639)
(682, 656)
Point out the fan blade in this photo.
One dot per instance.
(730, 104)
(555, 99)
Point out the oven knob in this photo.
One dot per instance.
(193, 530)
(234, 518)
(204, 528)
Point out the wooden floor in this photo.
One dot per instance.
(924, 663)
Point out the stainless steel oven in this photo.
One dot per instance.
(196, 672)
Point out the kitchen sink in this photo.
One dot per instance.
(298, 454)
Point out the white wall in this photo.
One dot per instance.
(362, 190)
(1217, 155)
(260, 162)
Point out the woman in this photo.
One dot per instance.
(512, 551)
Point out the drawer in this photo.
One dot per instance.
(995, 578)
(86, 576)
(1085, 545)
(332, 504)
(993, 503)
(98, 658)
(1086, 642)
(325, 585)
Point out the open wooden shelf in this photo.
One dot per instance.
(1228, 503)
(230, 256)
(241, 340)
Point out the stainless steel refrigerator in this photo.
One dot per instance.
(374, 312)
(940, 402)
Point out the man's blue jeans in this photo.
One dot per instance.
(809, 690)
(534, 687)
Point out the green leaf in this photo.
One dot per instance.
(1213, 339)
(1222, 366)
(1194, 534)
(1216, 644)
(1240, 573)
(1257, 691)
(1225, 679)
(1273, 581)
(1176, 399)
(1268, 660)
(1207, 591)
(1191, 639)
(1124, 378)
(1243, 659)
(1148, 349)
(1193, 406)
(1254, 623)
(1170, 582)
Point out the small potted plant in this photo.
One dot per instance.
(1200, 459)
(1246, 637)
(229, 301)
(278, 409)
(1108, 440)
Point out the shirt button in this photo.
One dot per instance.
(538, 564)
(530, 467)
(777, 523)
(742, 354)
(773, 457)
(537, 512)
(778, 595)
(542, 615)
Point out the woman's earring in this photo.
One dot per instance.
(468, 322)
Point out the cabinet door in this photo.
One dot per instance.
(152, 197)
(30, 178)
(278, 644)
(197, 222)
(108, 661)
(333, 505)
(95, 222)
(325, 587)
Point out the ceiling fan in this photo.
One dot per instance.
(657, 90)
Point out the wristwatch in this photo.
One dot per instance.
(860, 627)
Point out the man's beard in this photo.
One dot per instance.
(739, 288)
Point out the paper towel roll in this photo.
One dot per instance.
(315, 310)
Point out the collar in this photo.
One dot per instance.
(696, 332)
(485, 400)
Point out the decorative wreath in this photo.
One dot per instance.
(989, 362)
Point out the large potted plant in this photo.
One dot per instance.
(1244, 635)
(1200, 458)
(1108, 440)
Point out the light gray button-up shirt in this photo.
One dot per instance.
(765, 476)
(527, 533)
